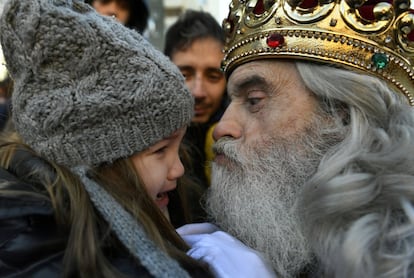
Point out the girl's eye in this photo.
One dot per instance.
(160, 150)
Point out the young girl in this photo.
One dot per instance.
(99, 115)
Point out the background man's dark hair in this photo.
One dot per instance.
(190, 26)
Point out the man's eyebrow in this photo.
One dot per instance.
(185, 67)
(214, 70)
(246, 83)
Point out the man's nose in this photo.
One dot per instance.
(228, 125)
(198, 87)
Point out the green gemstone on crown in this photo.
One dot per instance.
(380, 60)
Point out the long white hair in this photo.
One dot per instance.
(357, 208)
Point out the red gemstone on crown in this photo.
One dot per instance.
(308, 4)
(367, 9)
(275, 40)
(410, 36)
(259, 8)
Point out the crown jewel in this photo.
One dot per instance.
(372, 36)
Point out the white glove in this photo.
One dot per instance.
(196, 229)
(226, 256)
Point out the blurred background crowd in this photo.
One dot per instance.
(163, 13)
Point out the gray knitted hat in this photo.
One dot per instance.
(87, 89)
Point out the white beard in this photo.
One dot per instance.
(254, 196)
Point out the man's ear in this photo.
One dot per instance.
(343, 112)
(337, 108)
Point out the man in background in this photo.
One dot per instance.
(195, 44)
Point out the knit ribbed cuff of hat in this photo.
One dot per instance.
(129, 231)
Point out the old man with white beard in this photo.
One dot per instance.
(314, 163)
(257, 177)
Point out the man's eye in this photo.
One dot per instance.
(215, 77)
(187, 75)
(253, 100)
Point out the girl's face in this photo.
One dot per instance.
(159, 167)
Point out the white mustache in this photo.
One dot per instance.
(229, 148)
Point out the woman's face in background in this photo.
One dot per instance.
(114, 8)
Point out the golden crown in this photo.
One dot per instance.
(374, 36)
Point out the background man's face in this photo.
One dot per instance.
(200, 65)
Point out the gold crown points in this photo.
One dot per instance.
(371, 36)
